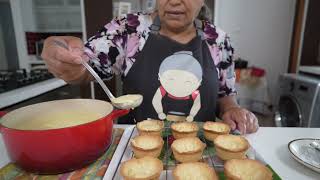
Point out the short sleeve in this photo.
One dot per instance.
(222, 53)
(226, 69)
(106, 49)
(114, 49)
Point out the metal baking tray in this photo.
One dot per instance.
(169, 163)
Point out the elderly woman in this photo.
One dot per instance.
(182, 65)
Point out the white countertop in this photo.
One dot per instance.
(21, 94)
(270, 143)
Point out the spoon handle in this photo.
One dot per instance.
(99, 80)
(89, 68)
(315, 145)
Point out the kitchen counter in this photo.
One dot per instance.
(24, 93)
(270, 143)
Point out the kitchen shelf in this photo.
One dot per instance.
(60, 16)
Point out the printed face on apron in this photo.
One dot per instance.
(180, 74)
(177, 81)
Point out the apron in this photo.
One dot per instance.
(143, 78)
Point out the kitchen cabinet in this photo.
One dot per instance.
(42, 18)
(50, 15)
(57, 15)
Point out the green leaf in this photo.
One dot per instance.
(275, 176)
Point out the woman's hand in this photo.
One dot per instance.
(162, 115)
(241, 119)
(64, 63)
(190, 118)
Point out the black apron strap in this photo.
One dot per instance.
(199, 26)
(156, 26)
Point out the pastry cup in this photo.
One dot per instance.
(194, 171)
(188, 149)
(213, 129)
(146, 168)
(184, 129)
(150, 127)
(243, 169)
(231, 147)
(146, 145)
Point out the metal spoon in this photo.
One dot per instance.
(120, 102)
(316, 145)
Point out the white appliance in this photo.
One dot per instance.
(299, 101)
(310, 70)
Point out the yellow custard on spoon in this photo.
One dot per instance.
(127, 101)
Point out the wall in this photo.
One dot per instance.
(260, 31)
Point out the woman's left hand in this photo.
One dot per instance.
(241, 119)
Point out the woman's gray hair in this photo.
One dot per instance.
(182, 60)
(205, 13)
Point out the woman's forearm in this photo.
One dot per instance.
(226, 103)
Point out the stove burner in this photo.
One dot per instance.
(13, 79)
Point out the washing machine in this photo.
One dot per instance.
(298, 101)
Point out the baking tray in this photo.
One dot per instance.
(169, 162)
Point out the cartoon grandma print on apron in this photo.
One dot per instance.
(180, 76)
(177, 81)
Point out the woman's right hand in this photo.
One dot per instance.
(63, 63)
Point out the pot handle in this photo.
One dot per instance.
(2, 113)
(119, 112)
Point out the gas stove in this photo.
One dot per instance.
(13, 79)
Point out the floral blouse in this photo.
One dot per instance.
(114, 49)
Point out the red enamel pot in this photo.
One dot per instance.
(58, 148)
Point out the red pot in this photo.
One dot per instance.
(58, 150)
